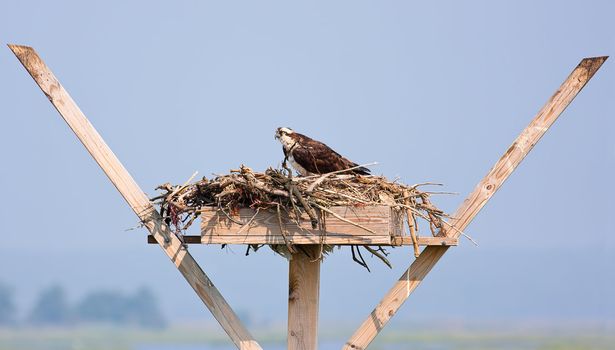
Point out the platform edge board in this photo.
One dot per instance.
(395, 241)
(353, 225)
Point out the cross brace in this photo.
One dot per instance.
(485, 189)
(135, 197)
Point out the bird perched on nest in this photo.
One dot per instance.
(311, 157)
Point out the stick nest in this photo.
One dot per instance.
(277, 190)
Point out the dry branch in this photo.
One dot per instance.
(277, 191)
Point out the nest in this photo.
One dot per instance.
(277, 190)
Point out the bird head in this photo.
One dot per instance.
(281, 132)
(283, 135)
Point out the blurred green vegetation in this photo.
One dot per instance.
(53, 309)
(7, 305)
(117, 338)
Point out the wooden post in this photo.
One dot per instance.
(135, 197)
(417, 271)
(303, 294)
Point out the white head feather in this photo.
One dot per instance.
(283, 134)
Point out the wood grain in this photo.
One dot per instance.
(395, 241)
(524, 143)
(135, 197)
(485, 189)
(425, 241)
(303, 300)
(263, 227)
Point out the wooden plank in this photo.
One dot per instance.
(425, 241)
(378, 224)
(395, 241)
(417, 271)
(298, 239)
(303, 298)
(192, 239)
(135, 197)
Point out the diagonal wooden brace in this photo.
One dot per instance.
(135, 197)
(485, 189)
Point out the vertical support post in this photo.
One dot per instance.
(303, 296)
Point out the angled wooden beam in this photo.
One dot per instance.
(485, 189)
(524, 143)
(135, 197)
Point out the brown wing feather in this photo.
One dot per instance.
(318, 158)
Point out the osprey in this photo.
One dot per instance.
(310, 157)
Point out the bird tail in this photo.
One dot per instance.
(362, 171)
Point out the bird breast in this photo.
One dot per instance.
(301, 170)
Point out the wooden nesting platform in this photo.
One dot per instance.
(368, 225)
(304, 272)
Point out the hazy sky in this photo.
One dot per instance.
(434, 91)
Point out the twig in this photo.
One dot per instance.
(379, 256)
(354, 257)
(338, 171)
(460, 232)
(291, 248)
(247, 224)
(343, 219)
(308, 209)
(229, 217)
(184, 185)
(346, 196)
(411, 228)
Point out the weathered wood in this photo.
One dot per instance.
(295, 239)
(417, 271)
(395, 241)
(377, 225)
(524, 143)
(411, 228)
(135, 197)
(303, 297)
(425, 241)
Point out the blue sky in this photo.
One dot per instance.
(433, 91)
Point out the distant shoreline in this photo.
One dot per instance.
(122, 338)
